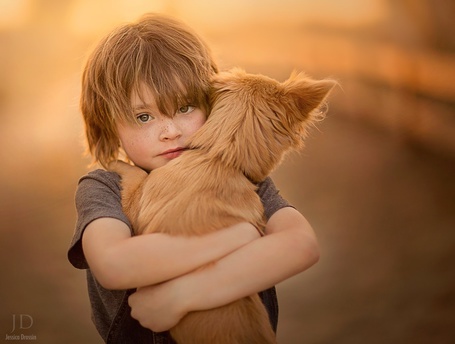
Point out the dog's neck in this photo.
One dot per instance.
(221, 159)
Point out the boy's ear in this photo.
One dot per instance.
(308, 94)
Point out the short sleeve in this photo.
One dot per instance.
(97, 195)
(271, 198)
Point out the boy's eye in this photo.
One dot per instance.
(144, 118)
(186, 109)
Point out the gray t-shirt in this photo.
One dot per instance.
(98, 195)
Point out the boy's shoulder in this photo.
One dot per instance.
(100, 179)
(101, 175)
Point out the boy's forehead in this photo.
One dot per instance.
(142, 96)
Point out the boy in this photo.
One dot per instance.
(144, 92)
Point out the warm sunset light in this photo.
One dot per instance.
(375, 179)
(14, 13)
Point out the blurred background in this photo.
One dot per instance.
(376, 179)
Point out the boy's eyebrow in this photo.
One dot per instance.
(142, 106)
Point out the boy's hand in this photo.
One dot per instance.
(158, 307)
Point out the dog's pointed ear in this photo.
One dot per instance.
(308, 94)
(226, 79)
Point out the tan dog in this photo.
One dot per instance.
(254, 121)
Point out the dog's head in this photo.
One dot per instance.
(255, 120)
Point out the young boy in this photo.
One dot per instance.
(144, 92)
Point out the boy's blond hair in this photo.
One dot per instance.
(158, 51)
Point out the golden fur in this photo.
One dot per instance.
(255, 120)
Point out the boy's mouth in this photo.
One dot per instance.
(173, 153)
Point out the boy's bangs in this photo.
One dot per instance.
(172, 83)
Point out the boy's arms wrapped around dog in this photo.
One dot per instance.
(288, 248)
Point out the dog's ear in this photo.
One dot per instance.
(308, 94)
(226, 79)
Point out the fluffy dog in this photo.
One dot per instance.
(254, 121)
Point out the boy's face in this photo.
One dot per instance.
(157, 139)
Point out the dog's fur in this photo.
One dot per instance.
(255, 120)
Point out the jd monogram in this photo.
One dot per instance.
(24, 321)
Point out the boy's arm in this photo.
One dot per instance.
(120, 261)
(289, 247)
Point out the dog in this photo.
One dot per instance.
(254, 122)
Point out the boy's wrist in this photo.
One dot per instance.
(196, 291)
(186, 295)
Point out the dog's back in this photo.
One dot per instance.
(192, 196)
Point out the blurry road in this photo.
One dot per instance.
(384, 213)
(385, 216)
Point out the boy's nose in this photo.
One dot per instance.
(169, 130)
